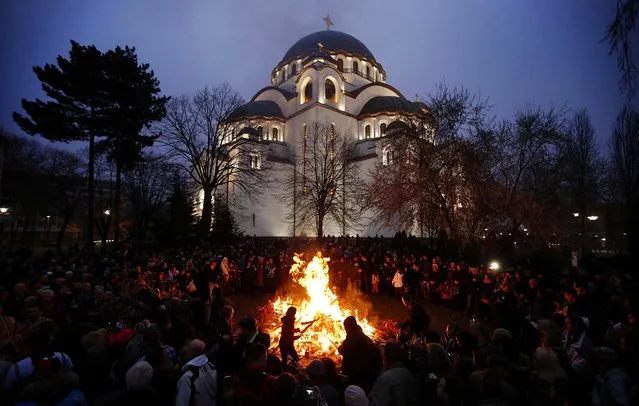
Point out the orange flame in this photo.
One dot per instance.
(326, 334)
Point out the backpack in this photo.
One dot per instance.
(195, 373)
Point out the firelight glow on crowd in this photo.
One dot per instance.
(160, 327)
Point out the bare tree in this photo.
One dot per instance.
(323, 182)
(105, 176)
(619, 35)
(624, 169)
(68, 180)
(521, 185)
(203, 141)
(147, 191)
(582, 168)
(425, 179)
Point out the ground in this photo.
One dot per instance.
(383, 308)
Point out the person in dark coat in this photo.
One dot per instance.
(288, 337)
(361, 359)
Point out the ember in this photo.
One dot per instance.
(319, 315)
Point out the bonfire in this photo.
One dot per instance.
(320, 312)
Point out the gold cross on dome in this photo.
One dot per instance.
(327, 21)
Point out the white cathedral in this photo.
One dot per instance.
(326, 77)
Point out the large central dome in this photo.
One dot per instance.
(333, 41)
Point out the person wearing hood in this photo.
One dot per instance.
(198, 384)
(361, 359)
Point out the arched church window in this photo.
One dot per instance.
(276, 134)
(382, 130)
(367, 131)
(368, 71)
(260, 131)
(308, 92)
(340, 65)
(355, 67)
(329, 91)
(293, 69)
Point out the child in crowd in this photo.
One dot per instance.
(375, 283)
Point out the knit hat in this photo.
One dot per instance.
(139, 375)
(355, 396)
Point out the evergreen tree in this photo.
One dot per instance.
(76, 109)
(225, 227)
(94, 94)
(181, 216)
(133, 103)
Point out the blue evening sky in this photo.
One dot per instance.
(516, 52)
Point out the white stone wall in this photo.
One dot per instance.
(269, 217)
(270, 212)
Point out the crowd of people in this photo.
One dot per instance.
(159, 326)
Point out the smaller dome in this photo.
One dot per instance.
(260, 108)
(397, 127)
(390, 104)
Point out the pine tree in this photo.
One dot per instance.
(181, 213)
(94, 94)
(225, 227)
(133, 104)
(76, 109)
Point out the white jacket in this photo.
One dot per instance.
(205, 384)
(398, 280)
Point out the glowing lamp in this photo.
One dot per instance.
(592, 218)
(107, 212)
(494, 266)
(575, 214)
(3, 210)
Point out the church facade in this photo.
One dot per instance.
(326, 77)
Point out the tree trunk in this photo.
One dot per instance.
(116, 204)
(633, 231)
(207, 212)
(90, 192)
(320, 226)
(60, 236)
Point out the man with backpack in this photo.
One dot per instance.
(198, 384)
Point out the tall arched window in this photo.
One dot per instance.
(330, 91)
(260, 131)
(367, 131)
(307, 92)
(276, 134)
(340, 65)
(368, 71)
(355, 67)
(382, 130)
(293, 68)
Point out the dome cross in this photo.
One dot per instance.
(328, 21)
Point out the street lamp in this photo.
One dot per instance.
(4, 210)
(107, 212)
(575, 214)
(592, 218)
(494, 266)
